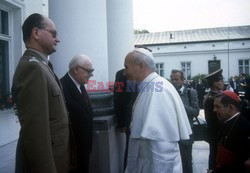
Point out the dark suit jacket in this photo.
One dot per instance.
(234, 136)
(81, 116)
(234, 86)
(123, 101)
(43, 144)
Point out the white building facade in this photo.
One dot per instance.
(200, 51)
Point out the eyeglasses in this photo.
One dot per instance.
(88, 70)
(52, 32)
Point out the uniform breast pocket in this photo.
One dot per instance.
(56, 92)
(56, 101)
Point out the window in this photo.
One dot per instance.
(186, 68)
(213, 66)
(160, 69)
(4, 52)
(4, 24)
(244, 66)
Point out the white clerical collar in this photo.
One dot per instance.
(76, 83)
(232, 117)
(182, 89)
(150, 77)
(147, 80)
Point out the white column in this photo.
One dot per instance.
(82, 28)
(120, 33)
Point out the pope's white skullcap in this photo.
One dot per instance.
(144, 52)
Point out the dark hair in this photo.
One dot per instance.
(178, 71)
(34, 20)
(226, 100)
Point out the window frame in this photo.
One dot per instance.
(244, 66)
(9, 66)
(185, 69)
(159, 70)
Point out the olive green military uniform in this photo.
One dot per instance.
(43, 145)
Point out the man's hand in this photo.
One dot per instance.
(122, 130)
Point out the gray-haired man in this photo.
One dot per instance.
(189, 98)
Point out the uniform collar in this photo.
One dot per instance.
(44, 58)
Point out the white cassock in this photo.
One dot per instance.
(159, 121)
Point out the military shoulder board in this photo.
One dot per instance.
(33, 59)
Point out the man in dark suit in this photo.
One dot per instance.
(233, 147)
(234, 83)
(43, 144)
(80, 110)
(189, 99)
(123, 102)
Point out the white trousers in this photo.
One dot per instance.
(148, 156)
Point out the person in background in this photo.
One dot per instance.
(216, 85)
(79, 108)
(234, 83)
(242, 83)
(44, 139)
(233, 147)
(200, 88)
(227, 86)
(123, 102)
(190, 101)
(159, 118)
(243, 79)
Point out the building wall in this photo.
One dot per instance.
(93, 28)
(120, 34)
(82, 30)
(228, 53)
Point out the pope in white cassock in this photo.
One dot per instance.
(159, 119)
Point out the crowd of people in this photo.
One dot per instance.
(56, 114)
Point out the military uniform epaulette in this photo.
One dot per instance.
(33, 59)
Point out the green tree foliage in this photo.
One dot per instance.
(138, 31)
(200, 76)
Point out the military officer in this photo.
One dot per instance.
(216, 85)
(43, 144)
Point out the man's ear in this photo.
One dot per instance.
(142, 66)
(35, 33)
(75, 70)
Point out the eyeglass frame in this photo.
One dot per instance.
(89, 71)
(52, 32)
